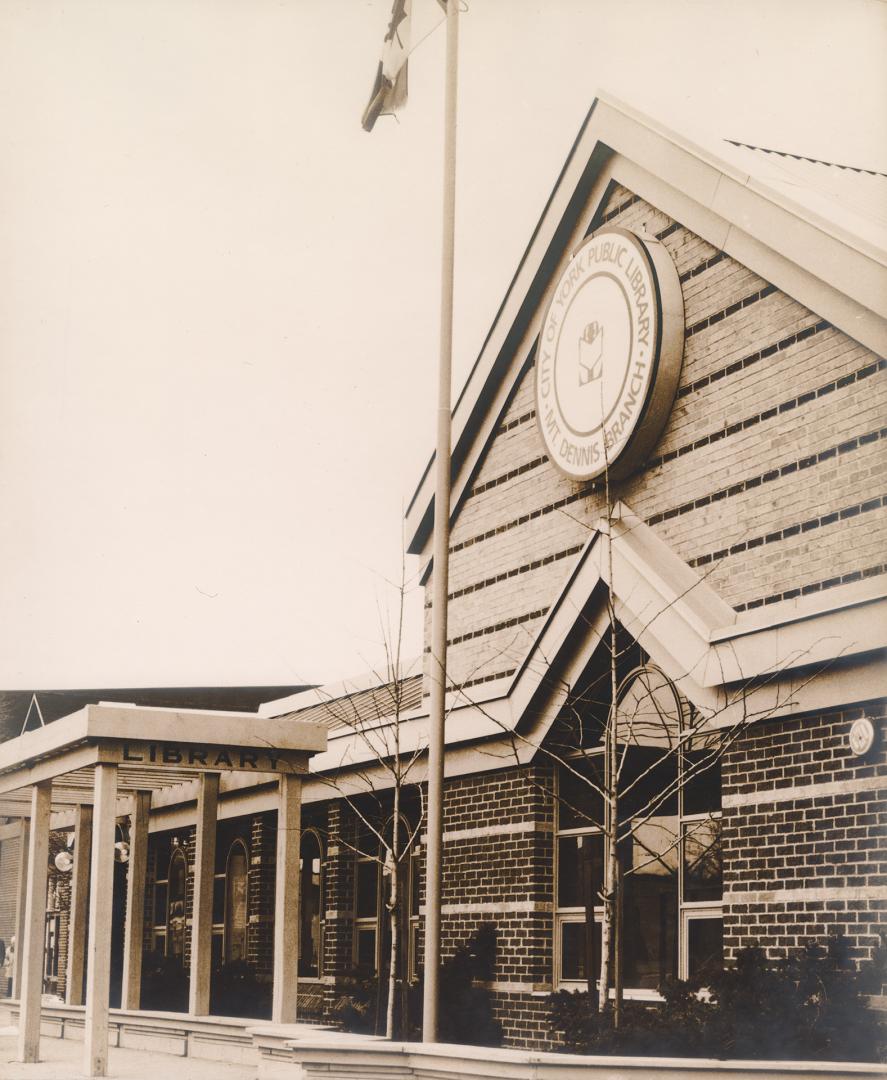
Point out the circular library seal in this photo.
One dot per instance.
(609, 355)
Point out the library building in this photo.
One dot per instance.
(667, 524)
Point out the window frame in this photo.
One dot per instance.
(321, 906)
(686, 910)
(238, 841)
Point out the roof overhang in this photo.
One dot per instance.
(836, 273)
(798, 656)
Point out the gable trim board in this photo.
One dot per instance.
(834, 272)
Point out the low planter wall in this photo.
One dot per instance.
(217, 1038)
(440, 1061)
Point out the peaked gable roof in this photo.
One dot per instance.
(833, 261)
(810, 653)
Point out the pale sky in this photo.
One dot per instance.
(218, 295)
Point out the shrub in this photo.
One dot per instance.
(808, 1006)
(357, 1008)
(164, 983)
(236, 991)
(466, 1013)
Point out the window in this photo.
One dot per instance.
(415, 922)
(366, 913)
(310, 905)
(236, 879)
(372, 890)
(175, 920)
(669, 847)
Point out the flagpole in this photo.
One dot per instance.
(434, 847)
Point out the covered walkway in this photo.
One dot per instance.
(106, 761)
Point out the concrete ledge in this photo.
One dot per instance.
(361, 1059)
(216, 1038)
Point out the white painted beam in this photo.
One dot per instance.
(286, 900)
(79, 905)
(98, 970)
(34, 925)
(204, 871)
(131, 989)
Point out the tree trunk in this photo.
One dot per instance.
(393, 906)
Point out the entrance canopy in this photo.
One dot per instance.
(89, 762)
(152, 748)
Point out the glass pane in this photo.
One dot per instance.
(235, 905)
(414, 950)
(415, 881)
(176, 904)
(650, 900)
(160, 904)
(580, 870)
(580, 806)
(649, 712)
(177, 869)
(366, 949)
(703, 860)
(702, 787)
(219, 899)
(367, 889)
(574, 949)
(705, 947)
(647, 782)
(309, 906)
(216, 951)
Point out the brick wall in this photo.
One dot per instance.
(768, 477)
(338, 933)
(805, 835)
(498, 866)
(262, 861)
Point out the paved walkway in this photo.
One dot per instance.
(62, 1059)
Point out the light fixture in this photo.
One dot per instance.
(121, 852)
(64, 860)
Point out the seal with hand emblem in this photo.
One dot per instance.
(609, 355)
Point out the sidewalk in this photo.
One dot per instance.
(62, 1059)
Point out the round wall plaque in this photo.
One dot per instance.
(862, 736)
(609, 355)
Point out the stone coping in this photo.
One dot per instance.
(322, 1057)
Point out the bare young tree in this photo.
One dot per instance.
(379, 778)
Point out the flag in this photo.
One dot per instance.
(390, 87)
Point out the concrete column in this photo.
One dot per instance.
(131, 990)
(98, 956)
(79, 905)
(202, 916)
(34, 924)
(286, 900)
(21, 893)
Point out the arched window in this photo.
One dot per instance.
(175, 917)
(310, 904)
(236, 871)
(669, 842)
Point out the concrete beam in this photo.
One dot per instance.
(98, 971)
(286, 901)
(204, 872)
(79, 916)
(131, 989)
(34, 925)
